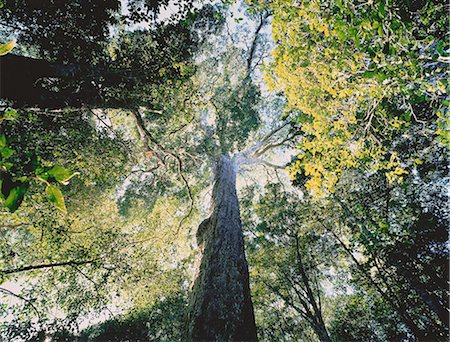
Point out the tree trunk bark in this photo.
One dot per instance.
(22, 82)
(316, 316)
(321, 331)
(20, 79)
(429, 299)
(220, 307)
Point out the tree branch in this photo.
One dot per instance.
(27, 301)
(254, 43)
(250, 152)
(191, 197)
(145, 133)
(279, 167)
(268, 147)
(274, 131)
(13, 225)
(57, 264)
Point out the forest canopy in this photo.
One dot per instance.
(238, 170)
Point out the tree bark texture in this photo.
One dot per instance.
(30, 82)
(315, 311)
(21, 79)
(220, 307)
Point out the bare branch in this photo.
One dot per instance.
(41, 266)
(254, 43)
(156, 111)
(85, 275)
(287, 299)
(13, 225)
(145, 134)
(260, 144)
(274, 131)
(269, 147)
(191, 197)
(145, 171)
(181, 127)
(110, 127)
(279, 167)
(27, 301)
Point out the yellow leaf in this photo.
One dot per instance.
(5, 48)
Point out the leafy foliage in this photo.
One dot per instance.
(290, 260)
(139, 110)
(162, 321)
(17, 173)
(357, 74)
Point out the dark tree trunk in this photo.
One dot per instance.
(220, 307)
(22, 82)
(321, 331)
(30, 82)
(316, 312)
(430, 299)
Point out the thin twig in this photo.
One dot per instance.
(40, 266)
(27, 301)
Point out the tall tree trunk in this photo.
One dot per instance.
(321, 331)
(220, 307)
(21, 77)
(316, 314)
(388, 296)
(430, 299)
(22, 81)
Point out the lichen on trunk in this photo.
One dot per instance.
(220, 307)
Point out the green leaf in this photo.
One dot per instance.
(357, 42)
(41, 174)
(10, 114)
(406, 116)
(5, 48)
(380, 31)
(381, 9)
(2, 140)
(55, 196)
(15, 197)
(6, 152)
(377, 75)
(341, 34)
(440, 47)
(7, 166)
(61, 174)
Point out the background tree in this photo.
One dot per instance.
(72, 61)
(358, 75)
(165, 120)
(290, 257)
(374, 104)
(165, 154)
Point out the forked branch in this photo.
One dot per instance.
(26, 300)
(163, 153)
